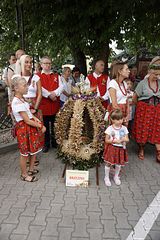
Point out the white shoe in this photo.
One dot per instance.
(117, 180)
(107, 182)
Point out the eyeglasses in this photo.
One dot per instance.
(46, 63)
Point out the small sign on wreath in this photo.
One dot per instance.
(77, 178)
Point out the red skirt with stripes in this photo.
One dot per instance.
(115, 155)
(146, 126)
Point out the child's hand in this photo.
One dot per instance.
(117, 141)
(123, 139)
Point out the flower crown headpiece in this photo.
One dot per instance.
(154, 66)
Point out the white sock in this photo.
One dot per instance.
(116, 176)
(106, 179)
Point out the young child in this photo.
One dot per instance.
(131, 107)
(115, 152)
(27, 130)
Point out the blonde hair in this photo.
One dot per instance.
(65, 69)
(154, 65)
(16, 79)
(20, 64)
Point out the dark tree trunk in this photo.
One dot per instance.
(105, 56)
(20, 22)
(103, 53)
(79, 60)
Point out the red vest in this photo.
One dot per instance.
(50, 82)
(101, 83)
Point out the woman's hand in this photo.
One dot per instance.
(33, 111)
(43, 129)
(115, 106)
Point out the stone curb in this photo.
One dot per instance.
(4, 148)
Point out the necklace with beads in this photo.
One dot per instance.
(124, 90)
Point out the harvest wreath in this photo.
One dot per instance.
(79, 131)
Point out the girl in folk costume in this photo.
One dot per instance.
(117, 89)
(147, 117)
(115, 153)
(98, 82)
(34, 94)
(27, 129)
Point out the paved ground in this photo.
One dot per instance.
(47, 210)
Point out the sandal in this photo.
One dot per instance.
(158, 156)
(35, 164)
(141, 152)
(33, 172)
(33, 179)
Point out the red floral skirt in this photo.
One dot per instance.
(146, 126)
(115, 155)
(30, 140)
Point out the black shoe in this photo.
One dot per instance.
(45, 149)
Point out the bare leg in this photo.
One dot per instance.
(158, 152)
(32, 161)
(158, 147)
(141, 151)
(23, 166)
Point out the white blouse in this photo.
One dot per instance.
(121, 98)
(66, 87)
(32, 89)
(19, 105)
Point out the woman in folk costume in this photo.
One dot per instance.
(98, 82)
(117, 89)
(147, 118)
(34, 94)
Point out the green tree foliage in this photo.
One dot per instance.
(80, 28)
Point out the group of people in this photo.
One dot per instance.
(35, 100)
(146, 124)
